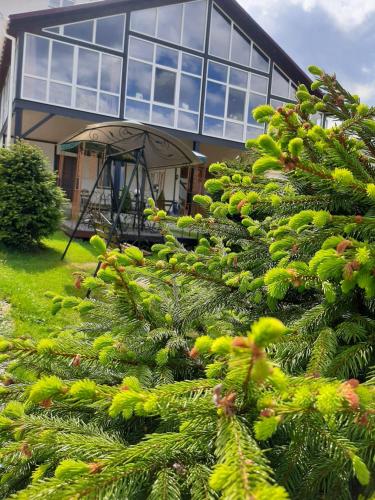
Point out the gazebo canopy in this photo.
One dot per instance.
(122, 138)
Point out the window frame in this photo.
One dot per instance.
(73, 85)
(95, 20)
(180, 42)
(234, 27)
(225, 119)
(178, 72)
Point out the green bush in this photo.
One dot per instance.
(30, 202)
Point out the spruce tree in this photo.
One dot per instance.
(241, 369)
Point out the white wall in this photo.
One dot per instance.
(48, 150)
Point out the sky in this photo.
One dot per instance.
(337, 35)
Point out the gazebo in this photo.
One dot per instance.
(137, 148)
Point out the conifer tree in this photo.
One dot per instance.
(241, 369)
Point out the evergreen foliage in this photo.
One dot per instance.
(30, 202)
(242, 369)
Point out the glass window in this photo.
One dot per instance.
(215, 99)
(170, 85)
(255, 100)
(280, 83)
(34, 88)
(191, 64)
(139, 80)
(212, 126)
(110, 74)
(86, 99)
(195, 20)
(81, 31)
(110, 32)
(137, 110)
(220, 34)
(36, 56)
(187, 121)
(236, 104)
(144, 21)
(259, 84)
(275, 103)
(62, 62)
(238, 78)
(259, 60)
(141, 49)
(165, 86)
(292, 91)
(169, 23)
(163, 116)
(60, 94)
(62, 86)
(234, 131)
(253, 132)
(108, 104)
(217, 71)
(53, 29)
(241, 48)
(87, 71)
(166, 57)
(190, 89)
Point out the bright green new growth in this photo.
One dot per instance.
(240, 369)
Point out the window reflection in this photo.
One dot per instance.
(232, 100)
(241, 48)
(170, 81)
(110, 32)
(94, 86)
(165, 86)
(194, 29)
(62, 62)
(280, 83)
(36, 56)
(87, 70)
(170, 23)
(215, 99)
(236, 104)
(220, 35)
(139, 80)
(81, 31)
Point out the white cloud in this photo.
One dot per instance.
(347, 14)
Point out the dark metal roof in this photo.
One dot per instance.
(50, 17)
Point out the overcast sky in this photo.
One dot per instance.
(337, 35)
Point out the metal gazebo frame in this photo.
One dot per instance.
(143, 145)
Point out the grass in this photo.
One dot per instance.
(26, 276)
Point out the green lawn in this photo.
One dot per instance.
(26, 276)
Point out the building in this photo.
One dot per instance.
(194, 68)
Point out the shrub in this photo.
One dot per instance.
(30, 202)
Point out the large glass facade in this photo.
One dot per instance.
(68, 75)
(231, 95)
(106, 32)
(228, 42)
(164, 76)
(182, 24)
(163, 85)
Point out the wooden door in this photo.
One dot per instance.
(69, 172)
